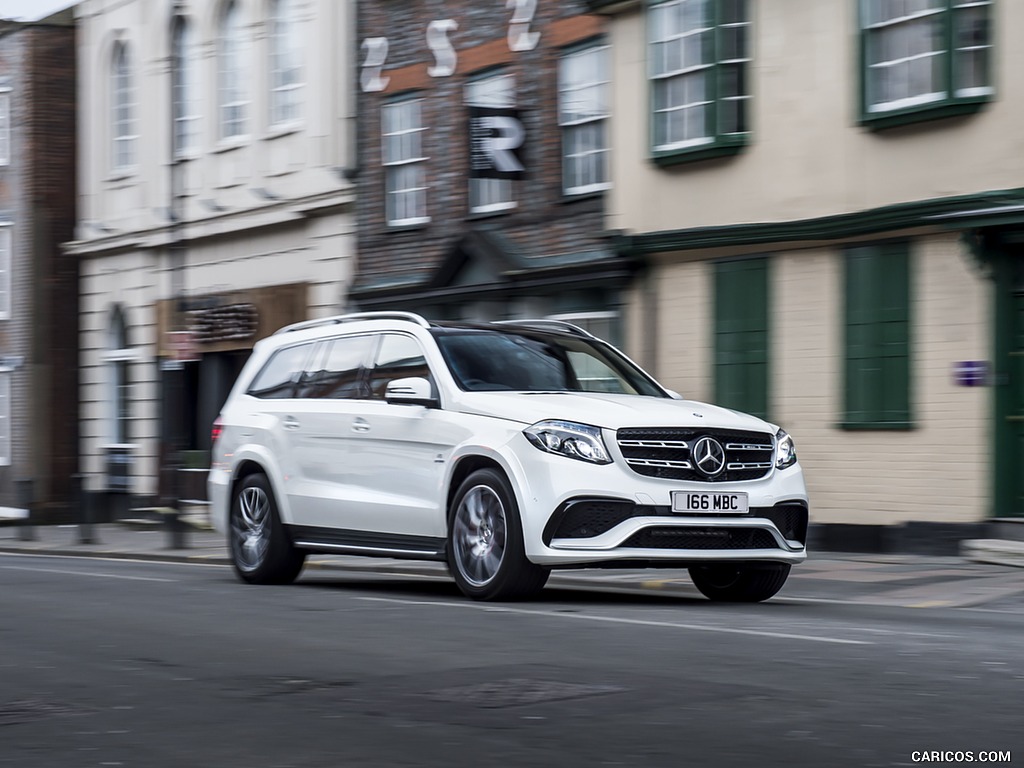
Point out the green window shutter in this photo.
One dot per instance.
(741, 335)
(877, 366)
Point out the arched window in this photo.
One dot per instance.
(286, 73)
(231, 74)
(123, 102)
(186, 111)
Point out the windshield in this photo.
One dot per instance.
(490, 360)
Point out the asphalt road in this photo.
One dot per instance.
(120, 663)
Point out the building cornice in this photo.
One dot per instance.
(961, 212)
(218, 225)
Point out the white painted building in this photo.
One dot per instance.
(216, 152)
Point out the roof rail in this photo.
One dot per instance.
(353, 317)
(548, 324)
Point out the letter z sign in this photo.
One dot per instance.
(496, 138)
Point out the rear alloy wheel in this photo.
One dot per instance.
(739, 582)
(486, 554)
(261, 549)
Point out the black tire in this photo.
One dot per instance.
(486, 555)
(739, 582)
(260, 547)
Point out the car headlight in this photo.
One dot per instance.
(785, 450)
(566, 438)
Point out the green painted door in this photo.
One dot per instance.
(741, 335)
(1016, 409)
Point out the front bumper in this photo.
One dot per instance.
(639, 526)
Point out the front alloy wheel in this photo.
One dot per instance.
(486, 554)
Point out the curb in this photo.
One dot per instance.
(993, 551)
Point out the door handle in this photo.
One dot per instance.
(360, 425)
(290, 422)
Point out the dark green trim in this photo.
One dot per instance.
(956, 213)
(1005, 455)
(950, 106)
(724, 146)
(876, 426)
(936, 111)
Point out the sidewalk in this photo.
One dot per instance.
(894, 580)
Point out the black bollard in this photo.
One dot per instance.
(23, 491)
(175, 529)
(86, 527)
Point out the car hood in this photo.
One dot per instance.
(607, 410)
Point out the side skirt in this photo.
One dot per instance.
(367, 543)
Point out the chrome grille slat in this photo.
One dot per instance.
(659, 463)
(664, 452)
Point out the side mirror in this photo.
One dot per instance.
(412, 391)
(674, 395)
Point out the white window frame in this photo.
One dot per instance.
(6, 387)
(6, 264)
(232, 104)
(405, 162)
(583, 110)
(287, 72)
(117, 359)
(123, 106)
(492, 195)
(5, 126)
(186, 85)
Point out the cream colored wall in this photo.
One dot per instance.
(938, 471)
(808, 157)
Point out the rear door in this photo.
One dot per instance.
(324, 424)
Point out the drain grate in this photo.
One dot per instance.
(517, 692)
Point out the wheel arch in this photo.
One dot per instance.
(253, 464)
(465, 467)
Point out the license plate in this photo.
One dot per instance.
(710, 503)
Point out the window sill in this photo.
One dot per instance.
(405, 226)
(877, 121)
(121, 176)
(877, 426)
(588, 194)
(486, 213)
(282, 130)
(724, 146)
(229, 145)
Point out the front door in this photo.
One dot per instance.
(1015, 415)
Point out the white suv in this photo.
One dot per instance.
(503, 449)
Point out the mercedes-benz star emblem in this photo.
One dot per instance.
(709, 456)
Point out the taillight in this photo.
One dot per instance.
(218, 427)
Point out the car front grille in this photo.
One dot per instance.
(701, 538)
(665, 452)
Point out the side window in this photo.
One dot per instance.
(338, 370)
(278, 378)
(399, 357)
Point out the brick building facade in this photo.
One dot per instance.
(433, 239)
(38, 283)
